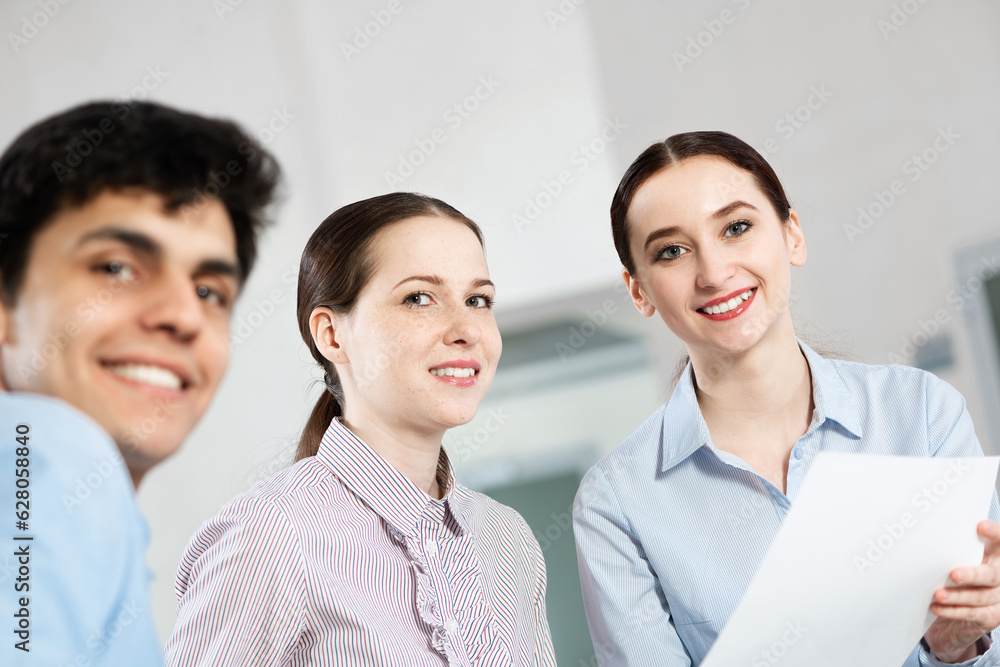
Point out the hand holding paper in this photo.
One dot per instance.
(850, 576)
(971, 608)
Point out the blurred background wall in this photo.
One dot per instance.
(880, 118)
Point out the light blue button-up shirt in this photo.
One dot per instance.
(670, 530)
(74, 587)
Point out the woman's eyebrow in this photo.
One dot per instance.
(659, 234)
(729, 208)
(433, 280)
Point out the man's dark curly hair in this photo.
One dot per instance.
(67, 160)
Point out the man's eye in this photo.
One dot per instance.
(214, 297)
(119, 271)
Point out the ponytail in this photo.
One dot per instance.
(327, 408)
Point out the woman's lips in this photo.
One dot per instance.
(729, 306)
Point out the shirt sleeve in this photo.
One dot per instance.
(240, 590)
(79, 588)
(950, 432)
(543, 654)
(629, 621)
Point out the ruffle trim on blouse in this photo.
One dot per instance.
(476, 623)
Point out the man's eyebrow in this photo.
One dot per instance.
(148, 246)
(135, 240)
(220, 267)
(729, 208)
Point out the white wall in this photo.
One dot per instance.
(560, 83)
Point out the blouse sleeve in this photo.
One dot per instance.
(543, 654)
(240, 590)
(619, 585)
(950, 432)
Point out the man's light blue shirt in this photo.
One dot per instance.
(84, 577)
(670, 530)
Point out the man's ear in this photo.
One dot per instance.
(6, 322)
(325, 326)
(642, 304)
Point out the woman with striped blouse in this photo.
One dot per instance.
(366, 551)
(672, 525)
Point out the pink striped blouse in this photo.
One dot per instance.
(341, 560)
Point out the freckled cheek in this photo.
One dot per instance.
(494, 347)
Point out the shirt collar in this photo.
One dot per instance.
(830, 393)
(383, 488)
(683, 435)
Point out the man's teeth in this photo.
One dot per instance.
(151, 375)
(454, 372)
(726, 306)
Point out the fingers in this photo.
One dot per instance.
(990, 531)
(983, 619)
(987, 576)
(967, 597)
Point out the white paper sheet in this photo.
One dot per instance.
(850, 575)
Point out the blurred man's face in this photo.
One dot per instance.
(124, 313)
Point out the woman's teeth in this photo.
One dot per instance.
(454, 372)
(726, 306)
(151, 375)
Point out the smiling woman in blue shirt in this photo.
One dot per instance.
(673, 524)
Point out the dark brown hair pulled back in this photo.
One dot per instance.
(680, 147)
(336, 265)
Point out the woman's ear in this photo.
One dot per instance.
(327, 331)
(795, 240)
(638, 295)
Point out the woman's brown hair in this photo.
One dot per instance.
(336, 265)
(680, 147)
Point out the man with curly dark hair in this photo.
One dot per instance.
(126, 233)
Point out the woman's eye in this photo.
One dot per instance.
(671, 252)
(418, 299)
(738, 228)
(479, 301)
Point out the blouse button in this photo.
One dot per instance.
(432, 547)
(451, 625)
(797, 454)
